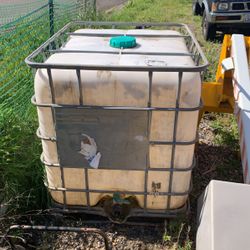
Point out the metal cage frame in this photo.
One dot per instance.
(37, 59)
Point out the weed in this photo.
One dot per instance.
(166, 237)
(226, 131)
(176, 234)
(21, 173)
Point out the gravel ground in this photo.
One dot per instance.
(120, 236)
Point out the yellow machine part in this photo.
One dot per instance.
(218, 96)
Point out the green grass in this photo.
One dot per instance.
(226, 135)
(177, 235)
(226, 131)
(21, 173)
(154, 11)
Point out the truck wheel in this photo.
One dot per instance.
(196, 9)
(208, 29)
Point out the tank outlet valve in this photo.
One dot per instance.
(117, 208)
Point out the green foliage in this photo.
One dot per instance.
(153, 10)
(176, 235)
(226, 131)
(21, 173)
(187, 245)
(166, 237)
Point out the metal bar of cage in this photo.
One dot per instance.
(134, 212)
(44, 105)
(30, 60)
(149, 116)
(51, 85)
(184, 143)
(131, 169)
(112, 191)
(117, 68)
(86, 174)
(102, 191)
(122, 34)
(123, 52)
(180, 74)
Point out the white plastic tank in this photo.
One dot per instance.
(122, 88)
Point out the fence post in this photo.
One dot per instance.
(51, 17)
(94, 6)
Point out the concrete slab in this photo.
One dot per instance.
(224, 217)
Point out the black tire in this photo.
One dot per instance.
(196, 9)
(208, 29)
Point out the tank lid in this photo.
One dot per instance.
(123, 42)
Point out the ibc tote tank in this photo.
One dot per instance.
(119, 125)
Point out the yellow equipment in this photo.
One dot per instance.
(218, 96)
(230, 92)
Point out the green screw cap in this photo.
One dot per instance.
(123, 42)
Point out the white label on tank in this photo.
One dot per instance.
(89, 150)
(139, 138)
(152, 62)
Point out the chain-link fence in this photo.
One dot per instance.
(20, 35)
